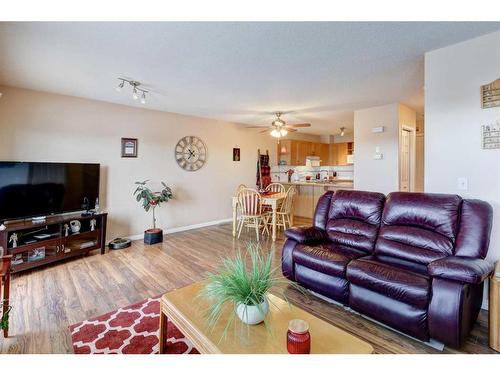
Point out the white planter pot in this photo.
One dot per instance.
(252, 314)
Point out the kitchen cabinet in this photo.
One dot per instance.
(324, 153)
(303, 201)
(284, 151)
(308, 194)
(304, 149)
(342, 153)
(339, 153)
(294, 152)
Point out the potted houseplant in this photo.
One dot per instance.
(150, 200)
(4, 321)
(243, 289)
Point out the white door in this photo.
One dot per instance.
(405, 166)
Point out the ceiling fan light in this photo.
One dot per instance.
(283, 132)
(275, 133)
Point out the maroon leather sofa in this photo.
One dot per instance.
(413, 261)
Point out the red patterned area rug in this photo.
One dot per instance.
(130, 330)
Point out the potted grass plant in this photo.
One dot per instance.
(243, 286)
(150, 200)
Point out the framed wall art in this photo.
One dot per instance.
(490, 94)
(491, 136)
(129, 147)
(236, 154)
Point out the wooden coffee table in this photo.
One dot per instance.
(186, 310)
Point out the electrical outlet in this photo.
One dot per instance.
(462, 183)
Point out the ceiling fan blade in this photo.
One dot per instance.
(291, 129)
(257, 127)
(264, 131)
(306, 125)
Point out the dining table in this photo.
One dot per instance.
(270, 199)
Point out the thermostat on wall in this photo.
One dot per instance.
(378, 129)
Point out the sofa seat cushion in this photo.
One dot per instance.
(390, 279)
(326, 258)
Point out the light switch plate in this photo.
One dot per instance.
(378, 156)
(462, 183)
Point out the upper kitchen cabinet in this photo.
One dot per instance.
(341, 153)
(284, 152)
(324, 153)
(304, 149)
(294, 152)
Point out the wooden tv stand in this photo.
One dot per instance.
(32, 252)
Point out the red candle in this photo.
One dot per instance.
(298, 337)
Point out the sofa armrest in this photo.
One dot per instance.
(463, 269)
(306, 235)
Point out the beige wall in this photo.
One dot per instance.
(370, 174)
(36, 126)
(453, 120)
(380, 175)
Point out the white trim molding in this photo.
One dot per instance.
(184, 228)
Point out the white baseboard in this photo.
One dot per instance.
(184, 228)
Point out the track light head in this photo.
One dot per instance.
(120, 86)
(143, 98)
(135, 94)
(342, 131)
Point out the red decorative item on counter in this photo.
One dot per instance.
(298, 337)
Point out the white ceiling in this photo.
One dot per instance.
(237, 72)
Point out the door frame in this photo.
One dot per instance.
(412, 172)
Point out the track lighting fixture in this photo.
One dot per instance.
(136, 90)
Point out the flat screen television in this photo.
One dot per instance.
(32, 189)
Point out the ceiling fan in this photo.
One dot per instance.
(279, 127)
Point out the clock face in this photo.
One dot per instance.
(190, 153)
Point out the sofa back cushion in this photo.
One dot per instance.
(354, 218)
(419, 227)
(322, 209)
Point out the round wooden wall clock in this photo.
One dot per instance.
(190, 153)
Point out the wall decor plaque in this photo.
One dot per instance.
(491, 136)
(490, 94)
(129, 147)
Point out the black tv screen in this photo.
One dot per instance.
(38, 189)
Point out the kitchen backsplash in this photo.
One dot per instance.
(278, 172)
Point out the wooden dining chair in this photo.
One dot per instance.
(285, 211)
(240, 186)
(276, 187)
(250, 204)
(5, 287)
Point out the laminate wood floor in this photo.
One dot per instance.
(46, 301)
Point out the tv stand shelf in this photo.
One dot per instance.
(32, 252)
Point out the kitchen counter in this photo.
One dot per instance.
(308, 194)
(341, 184)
